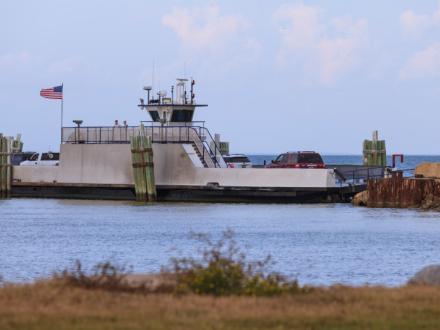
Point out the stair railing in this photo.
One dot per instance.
(211, 146)
(159, 134)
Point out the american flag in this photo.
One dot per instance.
(52, 93)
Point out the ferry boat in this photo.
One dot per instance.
(95, 162)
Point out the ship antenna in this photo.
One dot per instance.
(152, 75)
(192, 90)
(148, 89)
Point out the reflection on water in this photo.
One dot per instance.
(318, 244)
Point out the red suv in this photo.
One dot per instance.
(300, 159)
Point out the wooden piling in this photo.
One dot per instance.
(143, 168)
(2, 167)
(5, 167)
(133, 162)
(374, 151)
(9, 143)
(141, 164)
(149, 168)
(135, 156)
(8, 146)
(17, 144)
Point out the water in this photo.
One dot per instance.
(318, 244)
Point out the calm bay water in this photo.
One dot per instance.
(318, 244)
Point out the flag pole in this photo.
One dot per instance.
(62, 111)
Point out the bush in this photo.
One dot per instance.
(223, 269)
(220, 270)
(105, 275)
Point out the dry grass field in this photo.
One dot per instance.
(48, 305)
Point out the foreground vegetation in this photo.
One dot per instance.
(47, 305)
(219, 289)
(220, 269)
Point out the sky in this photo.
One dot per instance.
(277, 75)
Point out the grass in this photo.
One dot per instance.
(48, 305)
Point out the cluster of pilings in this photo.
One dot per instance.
(143, 168)
(6, 145)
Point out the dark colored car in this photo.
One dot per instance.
(300, 159)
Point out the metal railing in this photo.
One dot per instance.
(407, 172)
(361, 174)
(151, 123)
(352, 175)
(199, 136)
(99, 134)
(210, 146)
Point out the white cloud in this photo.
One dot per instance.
(66, 65)
(425, 63)
(10, 60)
(205, 32)
(299, 26)
(416, 24)
(413, 23)
(327, 49)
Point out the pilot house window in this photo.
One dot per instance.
(182, 116)
(154, 115)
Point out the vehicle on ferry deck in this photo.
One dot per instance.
(299, 159)
(43, 159)
(238, 161)
(19, 157)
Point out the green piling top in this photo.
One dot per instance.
(374, 151)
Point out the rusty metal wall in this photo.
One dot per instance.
(400, 192)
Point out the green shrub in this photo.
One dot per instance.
(222, 269)
(220, 277)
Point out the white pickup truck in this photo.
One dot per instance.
(237, 161)
(43, 159)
